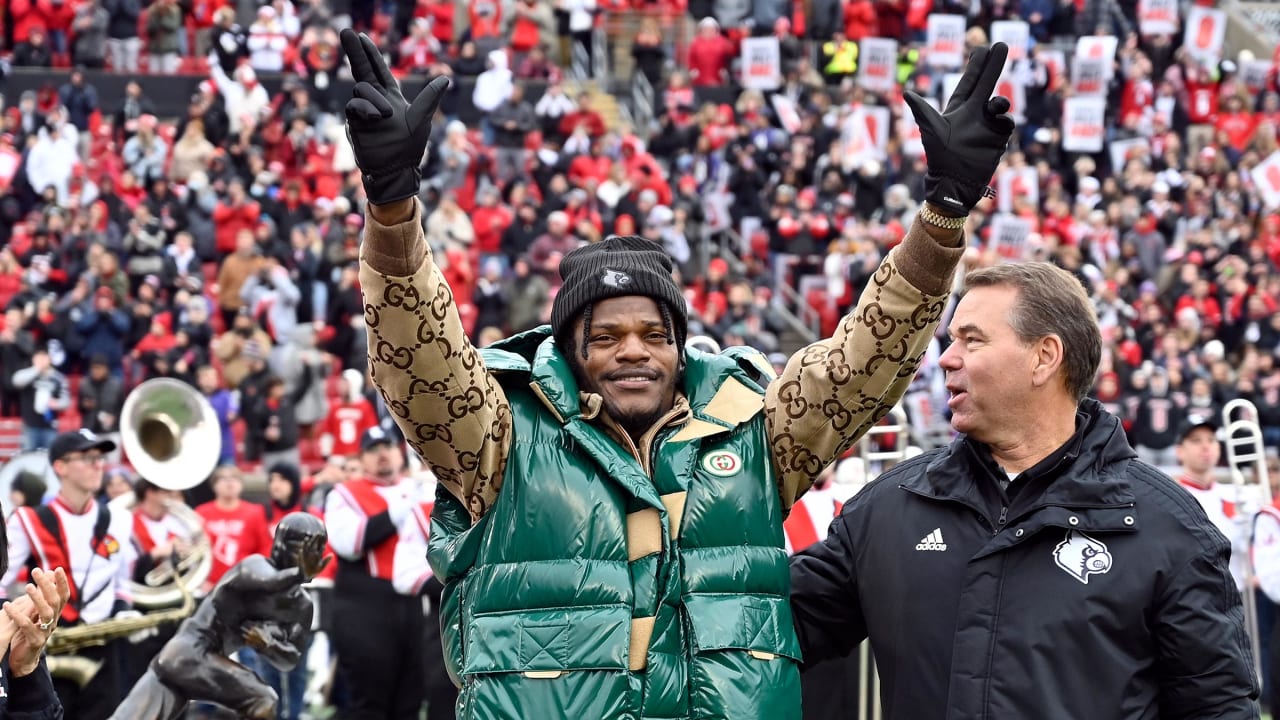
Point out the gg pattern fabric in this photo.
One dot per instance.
(458, 419)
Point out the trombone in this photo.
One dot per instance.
(1246, 459)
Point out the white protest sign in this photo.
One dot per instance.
(1083, 124)
(1015, 93)
(877, 64)
(1158, 17)
(1266, 176)
(909, 131)
(944, 40)
(1101, 47)
(1122, 150)
(949, 83)
(787, 113)
(1014, 183)
(858, 144)
(1056, 62)
(1254, 73)
(761, 63)
(1089, 76)
(1014, 33)
(1009, 236)
(1206, 29)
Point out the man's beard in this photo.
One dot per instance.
(635, 424)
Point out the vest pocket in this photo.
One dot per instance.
(547, 642)
(745, 658)
(759, 624)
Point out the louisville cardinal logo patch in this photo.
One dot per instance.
(108, 547)
(1081, 556)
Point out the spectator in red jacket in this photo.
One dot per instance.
(238, 212)
(860, 20)
(709, 55)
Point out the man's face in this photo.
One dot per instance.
(629, 362)
(82, 470)
(382, 461)
(1199, 451)
(228, 486)
(988, 368)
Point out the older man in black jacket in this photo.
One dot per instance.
(1034, 568)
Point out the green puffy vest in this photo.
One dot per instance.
(571, 598)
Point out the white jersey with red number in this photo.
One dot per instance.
(346, 423)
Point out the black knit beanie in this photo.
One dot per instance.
(617, 266)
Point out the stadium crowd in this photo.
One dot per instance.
(219, 247)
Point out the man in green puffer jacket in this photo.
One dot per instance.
(609, 521)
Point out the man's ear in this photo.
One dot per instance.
(1047, 359)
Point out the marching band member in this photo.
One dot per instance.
(157, 533)
(1198, 451)
(1266, 564)
(92, 543)
(413, 576)
(381, 656)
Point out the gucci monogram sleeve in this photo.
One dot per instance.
(432, 378)
(835, 389)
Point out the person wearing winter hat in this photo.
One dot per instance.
(608, 524)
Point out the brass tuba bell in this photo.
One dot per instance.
(170, 434)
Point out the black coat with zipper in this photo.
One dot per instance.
(1099, 590)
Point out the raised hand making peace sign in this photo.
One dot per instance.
(964, 143)
(388, 133)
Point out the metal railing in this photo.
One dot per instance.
(642, 99)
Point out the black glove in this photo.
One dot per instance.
(964, 144)
(388, 134)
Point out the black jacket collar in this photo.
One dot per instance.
(1087, 471)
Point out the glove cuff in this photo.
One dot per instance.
(396, 184)
(958, 195)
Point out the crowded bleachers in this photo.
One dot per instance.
(776, 176)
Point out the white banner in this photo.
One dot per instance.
(761, 63)
(944, 41)
(1158, 17)
(1056, 61)
(1015, 183)
(1206, 29)
(1089, 76)
(909, 131)
(1015, 93)
(1009, 236)
(1266, 176)
(855, 138)
(949, 83)
(1101, 47)
(1083, 127)
(1122, 150)
(1014, 33)
(879, 122)
(877, 64)
(1254, 73)
(787, 113)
